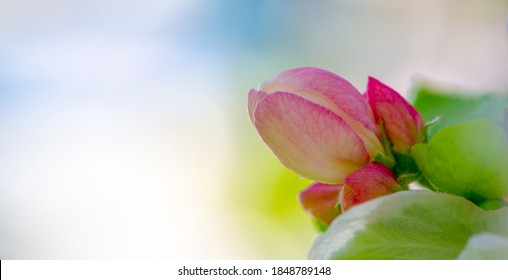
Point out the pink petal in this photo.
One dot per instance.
(252, 101)
(308, 139)
(334, 93)
(319, 201)
(403, 123)
(373, 180)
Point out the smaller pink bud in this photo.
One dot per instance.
(319, 200)
(371, 181)
(403, 124)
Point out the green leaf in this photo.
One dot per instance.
(495, 222)
(485, 246)
(454, 108)
(469, 159)
(404, 225)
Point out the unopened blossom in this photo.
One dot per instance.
(403, 124)
(316, 123)
(369, 182)
(320, 200)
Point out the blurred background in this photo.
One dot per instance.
(123, 124)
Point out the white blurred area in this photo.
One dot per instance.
(115, 141)
(112, 144)
(457, 43)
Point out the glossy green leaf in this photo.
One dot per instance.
(485, 246)
(469, 159)
(455, 108)
(404, 225)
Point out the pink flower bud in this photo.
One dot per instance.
(373, 180)
(316, 123)
(319, 200)
(403, 124)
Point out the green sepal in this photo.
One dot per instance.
(320, 226)
(386, 161)
(337, 206)
(387, 158)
